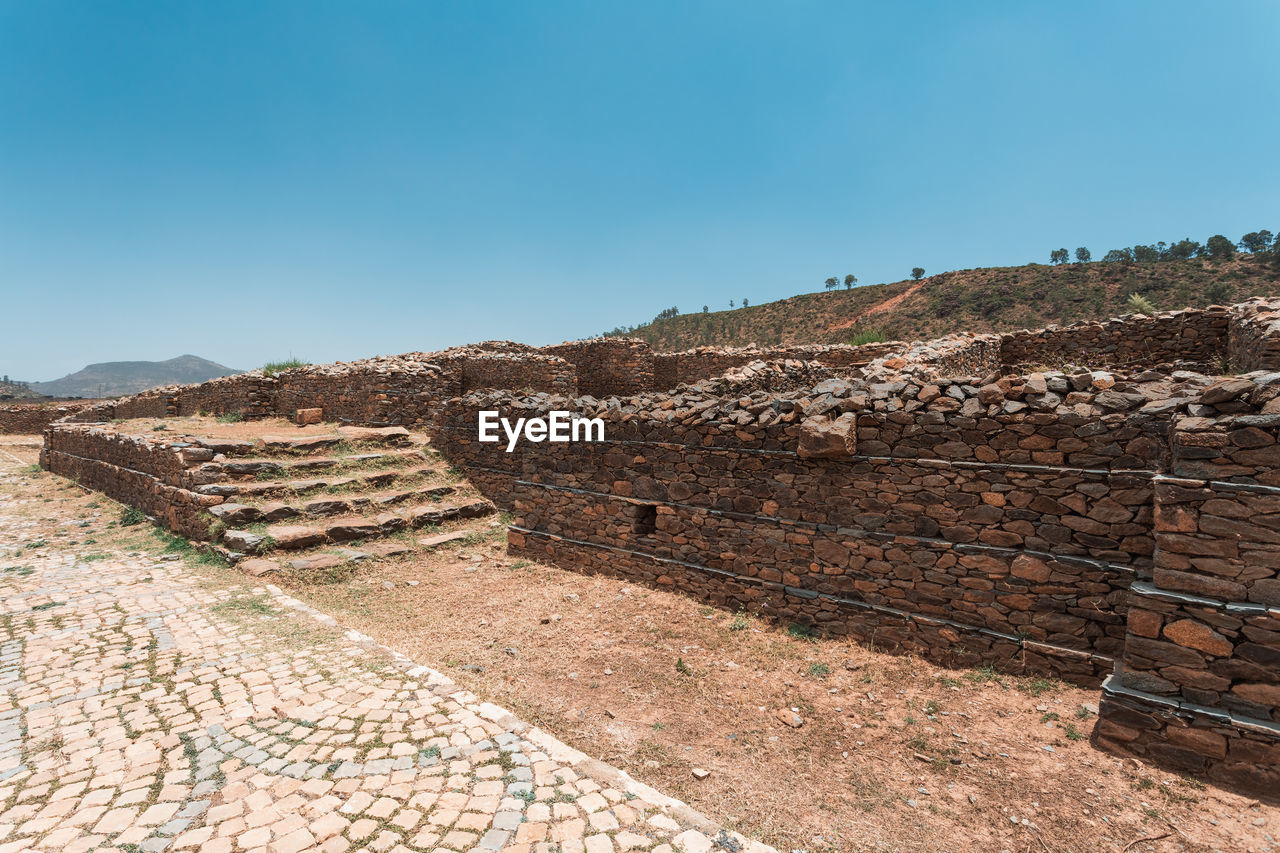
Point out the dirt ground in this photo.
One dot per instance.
(892, 753)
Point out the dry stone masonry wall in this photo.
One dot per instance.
(32, 418)
(1194, 336)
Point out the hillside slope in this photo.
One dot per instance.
(115, 378)
(17, 391)
(976, 300)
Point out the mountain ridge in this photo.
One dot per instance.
(118, 378)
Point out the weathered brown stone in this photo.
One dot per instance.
(303, 417)
(821, 438)
(1030, 568)
(1197, 635)
(293, 536)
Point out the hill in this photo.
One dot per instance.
(10, 390)
(988, 299)
(116, 378)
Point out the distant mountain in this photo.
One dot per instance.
(116, 378)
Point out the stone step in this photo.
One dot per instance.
(321, 557)
(296, 444)
(326, 557)
(263, 489)
(340, 529)
(237, 514)
(220, 477)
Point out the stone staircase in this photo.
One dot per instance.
(321, 501)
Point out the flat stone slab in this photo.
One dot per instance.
(295, 536)
(442, 538)
(318, 561)
(393, 436)
(310, 442)
(228, 446)
(257, 566)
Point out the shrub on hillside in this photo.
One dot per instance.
(1139, 304)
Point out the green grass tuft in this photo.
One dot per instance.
(271, 368)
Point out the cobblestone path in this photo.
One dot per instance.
(147, 705)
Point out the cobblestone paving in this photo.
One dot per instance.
(147, 706)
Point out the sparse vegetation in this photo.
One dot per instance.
(1172, 275)
(870, 336)
(271, 368)
(131, 515)
(1141, 305)
(802, 632)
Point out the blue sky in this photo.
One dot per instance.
(246, 181)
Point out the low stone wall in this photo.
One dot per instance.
(523, 371)
(1195, 335)
(1254, 339)
(249, 394)
(143, 474)
(1240, 755)
(679, 368)
(607, 366)
(32, 418)
(975, 356)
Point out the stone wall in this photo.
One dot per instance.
(32, 418)
(1000, 513)
(674, 369)
(1196, 336)
(607, 366)
(524, 371)
(1198, 686)
(1254, 340)
(249, 394)
(975, 356)
(133, 470)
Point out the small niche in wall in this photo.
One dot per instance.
(644, 519)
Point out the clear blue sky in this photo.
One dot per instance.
(250, 180)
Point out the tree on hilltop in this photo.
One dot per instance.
(745, 303)
(1146, 254)
(832, 283)
(1220, 248)
(917, 273)
(850, 280)
(1059, 256)
(1083, 256)
(1256, 242)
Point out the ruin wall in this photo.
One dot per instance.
(997, 515)
(678, 368)
(1197, 336)
(607, 366)
(144, 474)
(31, 418)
